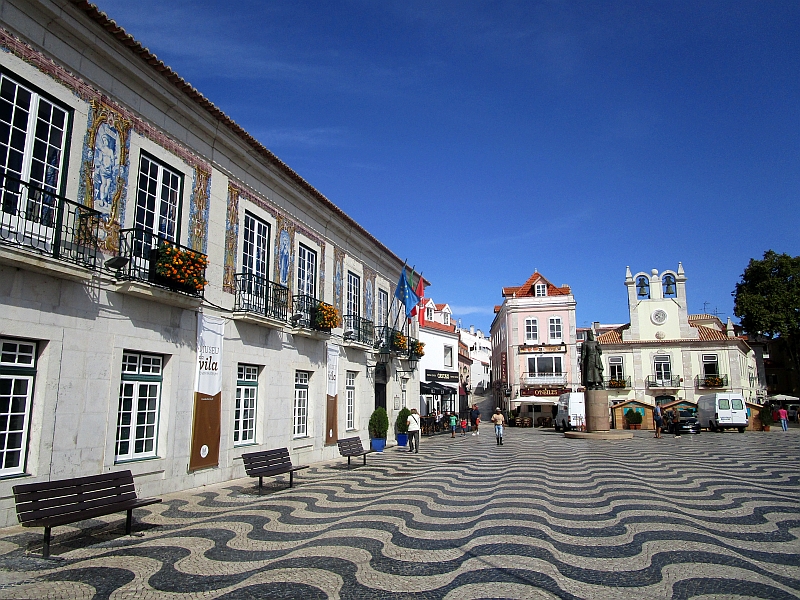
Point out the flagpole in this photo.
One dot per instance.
(394, 297)
(394, 325)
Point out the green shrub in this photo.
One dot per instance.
(633, 417)
(378, 423)
(765, 415)
(401, 424)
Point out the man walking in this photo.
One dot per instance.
(498, 419)
(475, 419)
(413, 431)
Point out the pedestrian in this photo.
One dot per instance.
(498, 419)
(475, 418)
(413, 431)
(783, 415)
(463, 427)
(676, 422)
(659, 421)
(453, 424)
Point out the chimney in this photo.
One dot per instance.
(472, 329)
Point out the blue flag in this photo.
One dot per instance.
(405, 293)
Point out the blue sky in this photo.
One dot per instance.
(483, 140)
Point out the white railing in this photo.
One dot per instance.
(543, 379)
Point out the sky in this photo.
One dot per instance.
(484, 140)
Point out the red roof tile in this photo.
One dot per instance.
(439, 326)
(528, 289)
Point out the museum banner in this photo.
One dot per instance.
(332, 399)
(207, 394)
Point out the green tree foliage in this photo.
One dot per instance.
(767, 300)
(378, 423)
(402, 420)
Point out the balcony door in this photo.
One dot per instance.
(254, 286)
(32, 143)
(306, 272)
(663, 370)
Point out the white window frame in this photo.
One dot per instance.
(246, 407)
(429, 314)
(556, 330)
(448, 356)
(255, 246)
(616, 367)
(300, 408)
(531, 330)
(350, 393)
(17, 377)
(710, 359)
(659, 363)
(137, 435)
(540, 290)
(382, 308)
(306, 271)
(446, 318)
(158, 213)
(557, 359)
(353, 294)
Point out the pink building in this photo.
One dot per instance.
(534, 357)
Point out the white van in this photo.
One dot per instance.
(571, 411)
(722, 411)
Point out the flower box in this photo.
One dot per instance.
(399, 342)
(179, 269)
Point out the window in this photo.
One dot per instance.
(580, 336)
(541, 290)
(255, 249)
(555, 329)
(244, 417)
(531, 330)
(663, 368)
(300, 416)
(353, 294)
(306, 271)
(545, 365)
(17, 370)
(158, 198)
(448, 356)
(446, 318)
(382, 314)
(350, 391)
(429, 314)
(615, 369)
(710, 365)
(139, 396)
(403, 391)
(32, 138)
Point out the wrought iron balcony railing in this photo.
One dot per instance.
(358, 329)
(388, 339)
(310, 313)
(711, 381)
(258, 295)
(416, 349)
(655, 381)
(543, 379)
(39, 220)
(153, 259)
(617, 383)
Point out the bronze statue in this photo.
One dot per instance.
(591, 363)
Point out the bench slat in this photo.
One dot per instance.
(64, 496)
(74, 507)
(84, 515)
(114, 476)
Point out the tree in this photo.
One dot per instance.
(767, 301)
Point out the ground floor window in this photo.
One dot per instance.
(139, 400)
(350, 391)
(244, 418)
(300, 417)
(17, 372)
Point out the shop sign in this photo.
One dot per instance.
(504, 367)
(541, 349)
(450, 376)
(542, 391)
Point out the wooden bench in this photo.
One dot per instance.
(268, 463)
(350, 447)
(52, 503)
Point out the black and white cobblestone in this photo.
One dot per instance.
(711, 516)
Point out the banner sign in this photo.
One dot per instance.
(541, 349)
(503, 367)
(208, 393)
(332, 398)
(542, 391)
(433, 375)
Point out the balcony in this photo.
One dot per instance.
(416, 349)
(358, 330)
(656, 381)
(312, 317)
(617, 383)
(261, 301)
(529, 379)
(44, 232)
(390, 340)
(161, 270)
(711, 381)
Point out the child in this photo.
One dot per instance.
(453, 422)
(464, 427)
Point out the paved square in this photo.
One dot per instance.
(712, 516)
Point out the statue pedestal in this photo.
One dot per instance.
(597, 410)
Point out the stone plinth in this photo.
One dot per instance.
(597, 411)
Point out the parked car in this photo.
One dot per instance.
(688, 423)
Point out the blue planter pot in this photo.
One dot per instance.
(402, 439)
(378, 444)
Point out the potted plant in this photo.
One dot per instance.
(326, 317)
(378, 426)
(179, 269)
(633, 419)
(399, 342)
(401, 424)
(765, 416)
(416, 349)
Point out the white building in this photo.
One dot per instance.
(665, 354)
(106, 153)
(480, 351)
(438, 369)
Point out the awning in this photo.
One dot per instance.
(435, 389)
